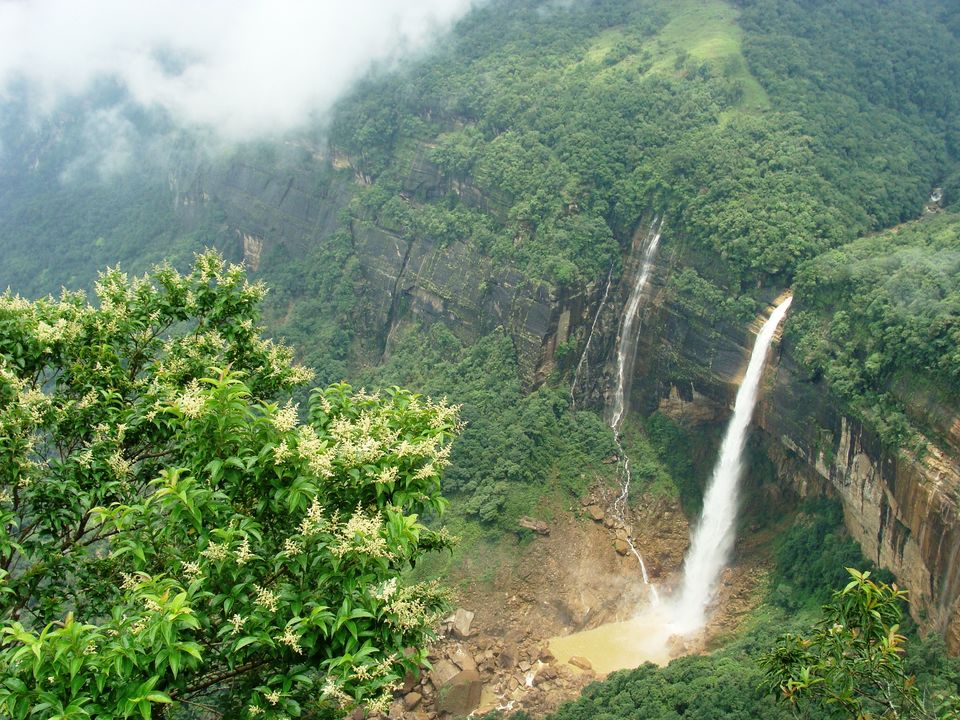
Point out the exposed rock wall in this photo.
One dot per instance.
(902, 510)
(299, 202)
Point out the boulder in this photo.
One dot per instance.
(621, 546)
(595, 512)
(546, 674)
(459, 623)
(580, 662)
(443, 671)
(463, 659)
(461, 695)
(411, 700)
(538, 526)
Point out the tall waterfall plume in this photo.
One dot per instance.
(626, 354)
(714, 536)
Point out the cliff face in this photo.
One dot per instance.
(264, 202)
(903, 510)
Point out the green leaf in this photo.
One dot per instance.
(244, 641)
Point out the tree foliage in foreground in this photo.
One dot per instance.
(171, 535)
(854, 659)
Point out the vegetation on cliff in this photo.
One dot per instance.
(752, 128)
(879, 320)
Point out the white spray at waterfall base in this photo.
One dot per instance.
(715, 533)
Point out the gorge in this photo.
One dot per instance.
(583, 224)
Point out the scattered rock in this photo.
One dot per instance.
(546, 674)
(461, 695)
(411, 700)
(580, 662)
(443, 671)
(508, 657)
(459, 623)
(463, 659)
(595, 512)
(545, 655)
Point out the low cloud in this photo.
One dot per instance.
(241, 68)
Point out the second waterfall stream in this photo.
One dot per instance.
(626, 354)
(713, 538)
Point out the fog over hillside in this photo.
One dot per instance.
(242, 68)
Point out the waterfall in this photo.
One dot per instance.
(627, 339)
(586, 348)
(714, 535)
(626, 354)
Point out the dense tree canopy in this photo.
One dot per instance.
(172, 534)
(879, 320)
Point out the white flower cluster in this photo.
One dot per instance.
(314, 451)
(291, 548)
(191, 570)
(291, 640)
(285, 419)
(216, 551)
(361, 534)
(237, 623)
(386, 590)
(191, 403)
(119, 465)
(244, 554)
(281, 452)
(405, 610)
(60, 330)
(314, 521)
(266, 598)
